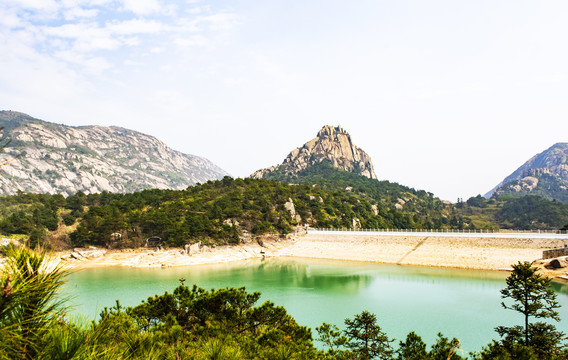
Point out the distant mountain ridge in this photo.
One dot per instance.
(60, 159)
(332, 144)
(545, 175)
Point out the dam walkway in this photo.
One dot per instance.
(543, 234)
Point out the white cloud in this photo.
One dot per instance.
(195, 10)
(193, 40)
(203, 23)
(88, 37)
(9, 18)
(91, 26)
(236, 81)
(131, 41)
(77, 13)
(85, 37)
(273, 69)
(216, 22)
(34, 77)
(136, 26)
(35, 5)
(18, 45)
(142, 7)
(171, 101)
(92, 64)
(554, 78)
(84, 3)
(132, 63)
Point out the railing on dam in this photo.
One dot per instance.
(463, 231)
(483, 233)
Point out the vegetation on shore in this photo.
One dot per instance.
(228, 210)
(218, 212)
(428, 212)
(193, 323)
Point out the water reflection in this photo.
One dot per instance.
(560, 286)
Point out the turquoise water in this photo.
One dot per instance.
(459, 303)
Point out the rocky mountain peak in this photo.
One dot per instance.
(329, 130)
(545, 174)
(332, 144)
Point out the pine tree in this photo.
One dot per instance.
(534, 298)
(366, 337)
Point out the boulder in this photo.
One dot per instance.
(76, 256)
(558, 263)
(92, 254)
(194, 248)
(375, 209)
(290, 207)
(356, 223)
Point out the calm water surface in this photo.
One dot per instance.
(458, 303)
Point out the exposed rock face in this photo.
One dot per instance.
(59, 159)
(292, 210)
(332, 144)
(545, 174)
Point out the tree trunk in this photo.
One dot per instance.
(526, 319)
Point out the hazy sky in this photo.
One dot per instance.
(446, 96)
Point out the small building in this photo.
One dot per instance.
(113, 240)
(154, 242)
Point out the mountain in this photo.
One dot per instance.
(58, 159)
(333, 145)
(545, 175)
(333, 163)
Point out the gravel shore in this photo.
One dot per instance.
(464, 253)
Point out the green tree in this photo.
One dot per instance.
(366, 337)
(29, 302)
(413, 348)
(496, 351)
(332, 338)
(445, 349)
(532, 297)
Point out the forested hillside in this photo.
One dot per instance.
(528, 212)
(218, 212)
(230, 210)
(426, 211)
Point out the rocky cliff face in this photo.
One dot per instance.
(332, 144)
(545, 174)
(59, 159)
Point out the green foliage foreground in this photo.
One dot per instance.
(193, 323)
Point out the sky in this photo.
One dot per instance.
(445, 96)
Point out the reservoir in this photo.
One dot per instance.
(458, 303)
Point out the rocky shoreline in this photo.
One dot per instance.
(196, 254)
(471, 253)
